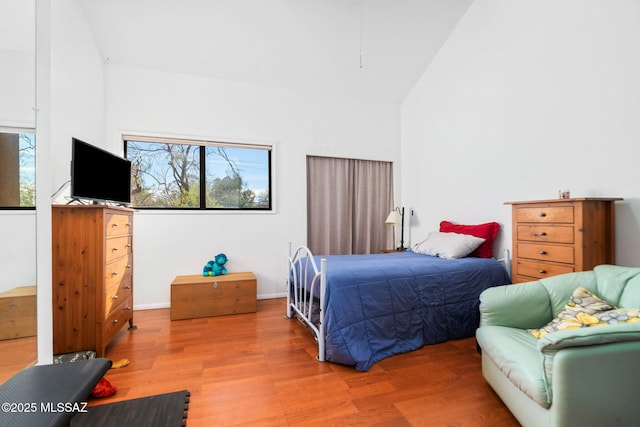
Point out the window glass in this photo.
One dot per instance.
(17, 170)
(187, 174)
(237, 178)
(164, 175)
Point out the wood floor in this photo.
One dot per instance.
(15, 355)
(260, 369)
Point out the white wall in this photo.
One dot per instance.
(70, 102)
(17, 86)
(177, 243)
(17, 100)
(18, 249)
(524, 99)
(77, 88)
(74, 106)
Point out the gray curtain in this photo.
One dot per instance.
(348, 201)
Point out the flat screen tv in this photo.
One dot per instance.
(99, 175)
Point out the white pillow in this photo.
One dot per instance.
(448, 245)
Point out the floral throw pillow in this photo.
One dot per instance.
(584, 309)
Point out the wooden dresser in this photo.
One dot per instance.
(558, 236)
(92, 276)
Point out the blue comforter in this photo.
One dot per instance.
(385, 304)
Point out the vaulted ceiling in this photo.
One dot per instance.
(369, 49)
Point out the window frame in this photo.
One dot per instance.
(203, 144)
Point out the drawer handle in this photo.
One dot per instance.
(115, 297)
(542, 214)
(541, 271)
(127, 287)
(115, 273)
(541, 234)
(128, 245)
(115, 321)
(542, 252)
(114, 225)
(215, 284)
(128, 265)
(114, 250)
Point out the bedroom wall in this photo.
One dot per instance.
(17, 86)
(526, 98)
(77, 88)
(70, 102)
(297, 122)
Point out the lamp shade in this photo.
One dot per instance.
(394, 218)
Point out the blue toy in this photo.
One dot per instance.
(216, 266)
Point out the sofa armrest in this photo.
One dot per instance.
(589, 336)
(585, 341)
(522, 306)
(595, 385)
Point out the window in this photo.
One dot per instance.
(17, 169)
(189, 174)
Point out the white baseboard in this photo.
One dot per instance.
(152, 306)
(168, 305)
(272, 296)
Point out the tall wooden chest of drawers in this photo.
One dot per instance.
(92, 276)
(552, 237)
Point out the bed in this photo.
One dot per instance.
(364, 308)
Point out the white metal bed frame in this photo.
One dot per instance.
(300, 292)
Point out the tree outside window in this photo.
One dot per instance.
(17, 170)
(198, 174)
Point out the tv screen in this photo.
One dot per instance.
(99, 175)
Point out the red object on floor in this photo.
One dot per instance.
(103, 389)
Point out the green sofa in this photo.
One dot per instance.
(582, 376)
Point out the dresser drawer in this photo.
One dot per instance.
(117, 270)
(116, 320)
(117, 224)
(543, 252)
(118, 294)
(546, 233)
(540, 270)
(117, 247)
(557, 214)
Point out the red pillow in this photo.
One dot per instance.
(487, 231)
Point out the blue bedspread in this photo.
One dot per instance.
(385, 304)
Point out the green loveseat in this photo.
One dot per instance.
(585, 376)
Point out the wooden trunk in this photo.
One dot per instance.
(203, 296)
(18, 313)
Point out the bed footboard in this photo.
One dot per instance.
(305, 282)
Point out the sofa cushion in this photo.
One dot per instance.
(516, 354)
(618, 285)
(561, 287)
(503, 306)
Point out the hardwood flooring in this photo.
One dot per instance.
(260, 369)
(15, 355)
